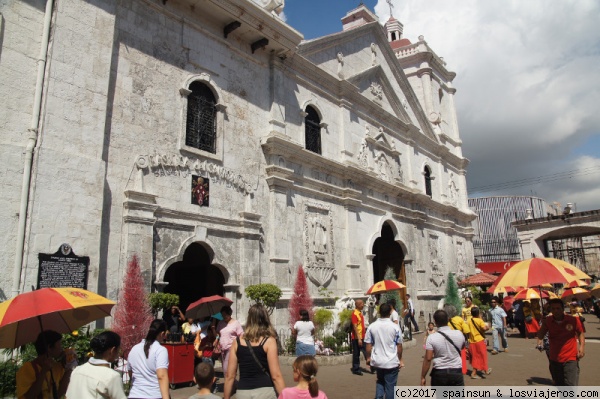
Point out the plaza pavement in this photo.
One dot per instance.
(521, 365)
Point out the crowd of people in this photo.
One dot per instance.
(455, 346)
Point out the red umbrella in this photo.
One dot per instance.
(63, 310)
(384, 286)
(206, 306)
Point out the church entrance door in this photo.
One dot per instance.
(388, 254)
(194, 277)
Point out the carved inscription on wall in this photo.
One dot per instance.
(318, 244)
(177, 165)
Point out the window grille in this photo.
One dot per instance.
(427, 181)
(312, 132)
(201, 128)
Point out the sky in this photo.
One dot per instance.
(528, 86)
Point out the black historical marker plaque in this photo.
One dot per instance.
(63, 269)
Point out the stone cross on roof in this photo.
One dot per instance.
(391, 6)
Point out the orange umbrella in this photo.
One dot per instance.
(535, 272)
(384, 286)
(63, 310)
(575, 293)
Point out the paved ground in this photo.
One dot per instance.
(522, 365)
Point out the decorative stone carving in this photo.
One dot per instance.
(377, 92)
(383, 167)
(271, 5)
(318, 244)
(340, 71)
(373, 54)
(452, 191)
(437, 276)
(363, 154)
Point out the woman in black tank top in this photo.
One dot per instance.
(256, 354)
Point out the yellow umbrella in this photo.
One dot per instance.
(576, 283)
(384, 286)
(595, 290)
(538, 271)
(63, 310)
(575, 293)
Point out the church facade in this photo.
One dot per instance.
(213, 142)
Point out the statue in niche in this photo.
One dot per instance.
(437, 275)
(363, 153)
(319, 237)
(340, 71)
(385, 171)
(373, 54)
(400, 172)
(452, 190)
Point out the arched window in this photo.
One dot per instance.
(201, 127)
(427, 174)
(312, 130)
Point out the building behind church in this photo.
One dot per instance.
(224, 150)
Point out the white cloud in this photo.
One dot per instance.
(528, 81)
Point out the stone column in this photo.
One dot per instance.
(277, 93)
(138, 231)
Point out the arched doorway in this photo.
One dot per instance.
(194, 277)
(388, 253)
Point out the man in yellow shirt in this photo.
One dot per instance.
(44, 377)
(466, 312)
(358, 334)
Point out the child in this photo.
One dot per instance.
(430, 330)
(305, 374)
(204, 376)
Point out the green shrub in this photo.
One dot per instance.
(8, 378)
(290, 345)
(322, 318)
(266, 294)
(162, 300)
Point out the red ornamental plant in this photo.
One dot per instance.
(133, 314)
(300, 298)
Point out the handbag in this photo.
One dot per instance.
(259, 364)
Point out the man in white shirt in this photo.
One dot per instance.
(394, 315)
(384, 352)
(410, 315)
(443, 349)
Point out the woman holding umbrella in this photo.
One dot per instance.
(44, 377)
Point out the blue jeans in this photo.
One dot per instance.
(387, 379)
(305, 349)
(502, 332)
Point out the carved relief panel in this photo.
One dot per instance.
(438, 275)
(318, 244)
(378, 154)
